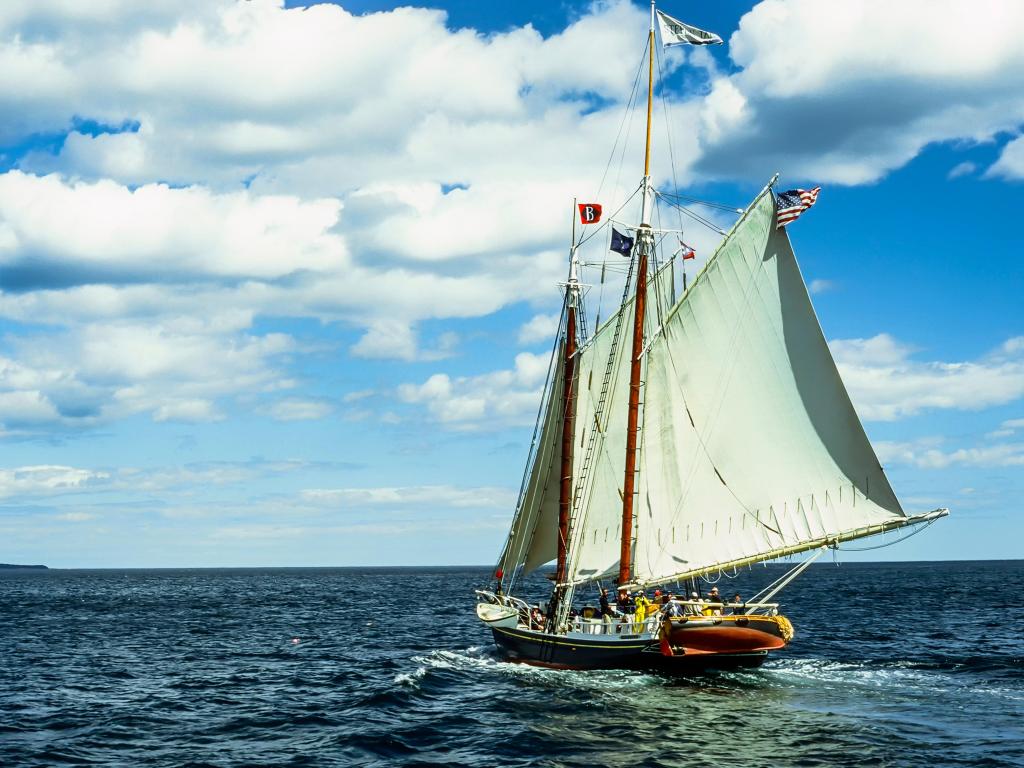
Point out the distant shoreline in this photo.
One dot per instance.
(847, 564)
(16, 567)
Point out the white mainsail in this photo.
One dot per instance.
(751, 445)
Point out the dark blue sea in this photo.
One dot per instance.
(899, 664)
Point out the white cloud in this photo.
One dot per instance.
(962, 169)
(47, 480)
(294, 409)
(539, 328)
(55, 230)
(925, 454)
(187, 410)
(432, 496)
(885, 383)
(862, 109)
(820, 286)
(173, 370)
(490, 400)
(1010, 164)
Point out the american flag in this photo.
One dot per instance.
(789, 205)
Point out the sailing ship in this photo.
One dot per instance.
(686, 437)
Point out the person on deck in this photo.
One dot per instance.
(606, 610)
(672, 608)
(643, 610)
(693, 608)
(536, 618)
(625, 603)
(737, 605)
(713, 597)
(626, 608)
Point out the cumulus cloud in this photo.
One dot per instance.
(539, 328)
(861, 110)
(58, 232)
(1010, 164)
(886, 383)
(173, 371)
(486, 401)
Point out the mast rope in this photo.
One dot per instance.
(695, 216)
(627, 120)
(698, 201)
(607, 222)
(671, 150)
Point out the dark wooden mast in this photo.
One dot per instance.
(568, 414)
(644, 243)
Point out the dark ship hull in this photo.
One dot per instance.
(684, 646)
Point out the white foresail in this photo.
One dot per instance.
(533, 539)
(750, 445)
(597, 519)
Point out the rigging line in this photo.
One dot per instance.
(776, 335)
(695, 216)
(888, 543)
(668, 134)
(627, 111)
(630, 110)
(701, 438)
(595, 445)
(709, 203)
(607, 222)
(531, 456)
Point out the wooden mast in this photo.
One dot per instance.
(644, 242)
(568, 415)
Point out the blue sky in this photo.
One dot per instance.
(276, 282)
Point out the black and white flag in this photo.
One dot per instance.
(675, 32)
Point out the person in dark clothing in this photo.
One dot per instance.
(625, 603)
(606, 609)
(737, 606)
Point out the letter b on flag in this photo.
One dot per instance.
(590, 213)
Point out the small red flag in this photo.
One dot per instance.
(687, 251)
(500, 574)
(590, 213)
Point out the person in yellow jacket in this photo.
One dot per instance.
(643, 609)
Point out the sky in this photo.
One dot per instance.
(278, 281)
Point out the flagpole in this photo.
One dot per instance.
(650, 94)
(645, 242)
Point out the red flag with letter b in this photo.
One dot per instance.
(590, 213)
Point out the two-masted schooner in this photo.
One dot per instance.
(686, 437)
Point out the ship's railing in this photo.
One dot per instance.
(507, 600)
(702, 608)
(628, 624)
(618, 626)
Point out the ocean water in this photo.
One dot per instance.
(909, 664)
